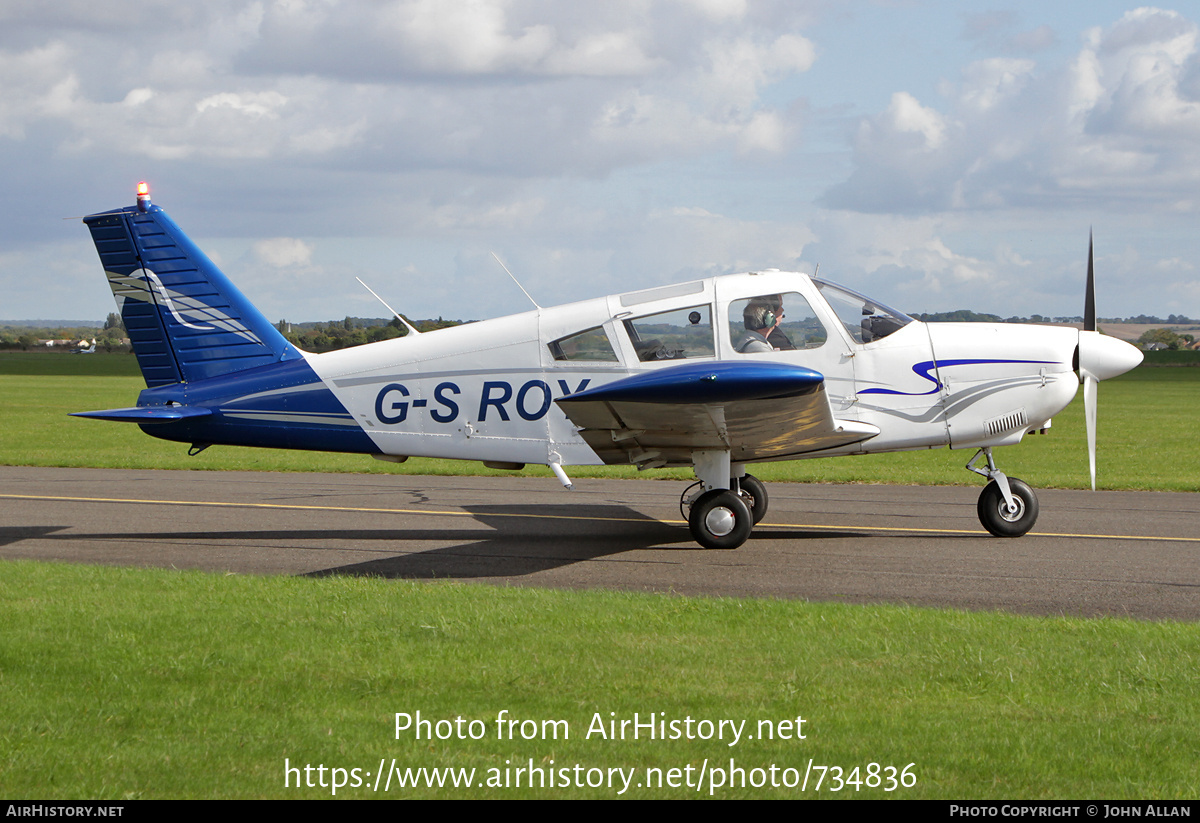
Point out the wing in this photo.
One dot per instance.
(756, 410)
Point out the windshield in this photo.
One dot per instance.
(866, 319)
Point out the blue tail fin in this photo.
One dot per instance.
(185, 319)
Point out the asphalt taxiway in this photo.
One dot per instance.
(1091, 553)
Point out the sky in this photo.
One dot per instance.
(933, 155)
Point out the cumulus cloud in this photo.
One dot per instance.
(39, 83)
(598, 147)
(520, 88)
(1121, 121)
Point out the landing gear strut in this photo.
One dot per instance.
(721, 516)
(1007, 506)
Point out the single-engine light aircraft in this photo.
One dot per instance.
(715, 374)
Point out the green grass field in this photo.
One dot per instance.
(124, 683)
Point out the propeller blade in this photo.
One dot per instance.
(1099, 358)
(1089, 297)
(1090, 385)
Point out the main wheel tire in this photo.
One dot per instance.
(994, 513)
(720, 520)
(754, 495)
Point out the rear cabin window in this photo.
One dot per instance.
(673, 335)
(590, 345)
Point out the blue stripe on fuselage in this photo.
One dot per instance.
(924, 368)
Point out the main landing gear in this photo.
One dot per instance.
(722, 518)
(1007, 506)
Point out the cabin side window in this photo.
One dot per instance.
(590, 345)
(673, 335)
(774, 322)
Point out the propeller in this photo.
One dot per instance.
(1100, 358)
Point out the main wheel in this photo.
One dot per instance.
(720, 520)
(994, 513)
(754, 495)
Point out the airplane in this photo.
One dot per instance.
(714, 374)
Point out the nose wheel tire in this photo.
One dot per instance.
(995, 515)
(754, 495)
(720, 519)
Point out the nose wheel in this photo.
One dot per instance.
(1007, 506)
(1003, 520)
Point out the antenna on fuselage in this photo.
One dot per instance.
(515, 280)
(411, 328)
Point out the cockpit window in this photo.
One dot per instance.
(591, 344)
(774, 322)
(673, 335)
(866, 319)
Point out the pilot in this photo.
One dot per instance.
(760, 320)
(778, 340)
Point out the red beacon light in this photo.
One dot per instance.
(143, 196)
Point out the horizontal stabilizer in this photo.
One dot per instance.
(146, 414)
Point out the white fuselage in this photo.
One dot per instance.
(486, 390)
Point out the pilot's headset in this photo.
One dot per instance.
(768, 316)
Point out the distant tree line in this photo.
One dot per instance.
(315, 336)
(968, 316)
(353, 331)
(1172, 320)
(111, 337)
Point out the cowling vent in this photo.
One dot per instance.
(1006, 423)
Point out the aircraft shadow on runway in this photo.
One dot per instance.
(15, 534)
(523, 543)
(520, 542)
(517, 541)
(515, 544)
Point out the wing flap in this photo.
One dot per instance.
(758, 411)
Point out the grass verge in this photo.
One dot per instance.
(194, 685)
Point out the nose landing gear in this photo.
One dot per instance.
(1007, 506)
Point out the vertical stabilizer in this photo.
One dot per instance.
(185, 319)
